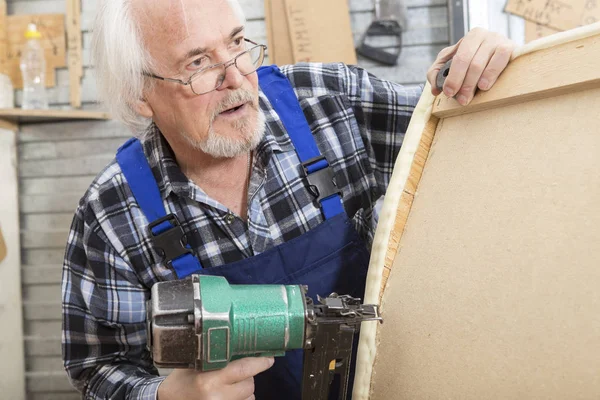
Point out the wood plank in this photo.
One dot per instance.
(66, 203)
(43, 346)
(67, 149)
(407, 198)
(55, 185)
(39, 364)
(74, 39)
(48, 381)
(27, 116)
(44, 222)
(65, 167)
(8, 125)
(3, 39)
(312, 24)
(45, 293)
(43, 329)
(12, 378)
(554, 75)
(44, 240)
(72, 395)
(41, 274)
(41, 311)
(73, 130)
(42, 256)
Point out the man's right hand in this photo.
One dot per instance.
(234, 382)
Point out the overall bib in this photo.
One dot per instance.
(329, 258)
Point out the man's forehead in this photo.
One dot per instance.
(183, 17)
(173, 28)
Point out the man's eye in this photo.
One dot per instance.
(238, 42)
(197, 63)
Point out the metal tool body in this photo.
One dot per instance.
(390, 16)
(203, 322)
(442, 75)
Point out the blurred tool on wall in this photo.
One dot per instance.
(382, 41)
(33, 70)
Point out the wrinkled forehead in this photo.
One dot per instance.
(172, 27)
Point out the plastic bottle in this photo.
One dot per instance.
(33, 70)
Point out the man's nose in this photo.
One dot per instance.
(232, 78)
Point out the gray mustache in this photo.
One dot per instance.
(239, 96)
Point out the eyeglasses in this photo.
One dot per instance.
(211, 78)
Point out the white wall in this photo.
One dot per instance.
(489, 14)
(12, 382)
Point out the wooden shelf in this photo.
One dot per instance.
(20, 116)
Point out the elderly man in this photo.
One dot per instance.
(224, 153)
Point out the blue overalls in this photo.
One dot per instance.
(329, 258)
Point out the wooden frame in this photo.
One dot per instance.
(562, 64)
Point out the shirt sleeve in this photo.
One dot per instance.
(104, 318)
(383, 110)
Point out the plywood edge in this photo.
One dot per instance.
(406, 200)
(8, 125)
(270, 33)
(74, 44)
(552, 60)
(401, 190)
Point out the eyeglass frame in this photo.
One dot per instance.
(226, 64)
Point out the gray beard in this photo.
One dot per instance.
(220, 146)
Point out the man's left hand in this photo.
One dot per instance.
(478, 60)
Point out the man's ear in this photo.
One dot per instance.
(143, 108)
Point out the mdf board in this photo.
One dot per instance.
(489, 256)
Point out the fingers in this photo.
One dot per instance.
(477, 62)
(242, 369)
(474, 73)
(497, 64)
(241, 390)
(443, 56)
(462, 61)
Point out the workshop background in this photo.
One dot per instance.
(46, 167)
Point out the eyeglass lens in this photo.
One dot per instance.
(211, 78)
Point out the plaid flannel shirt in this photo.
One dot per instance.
(358, 122)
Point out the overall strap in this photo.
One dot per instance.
(319, 174)
(166, 232)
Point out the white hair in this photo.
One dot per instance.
(120, 60)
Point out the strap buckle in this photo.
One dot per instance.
(321, 183)
(170, 243)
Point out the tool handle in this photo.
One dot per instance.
(377, 54)
(442, 75)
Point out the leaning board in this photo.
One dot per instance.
(487, 256)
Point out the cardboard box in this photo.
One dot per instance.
(309, 31)
(558, 14)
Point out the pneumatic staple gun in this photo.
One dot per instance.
(203, 322)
